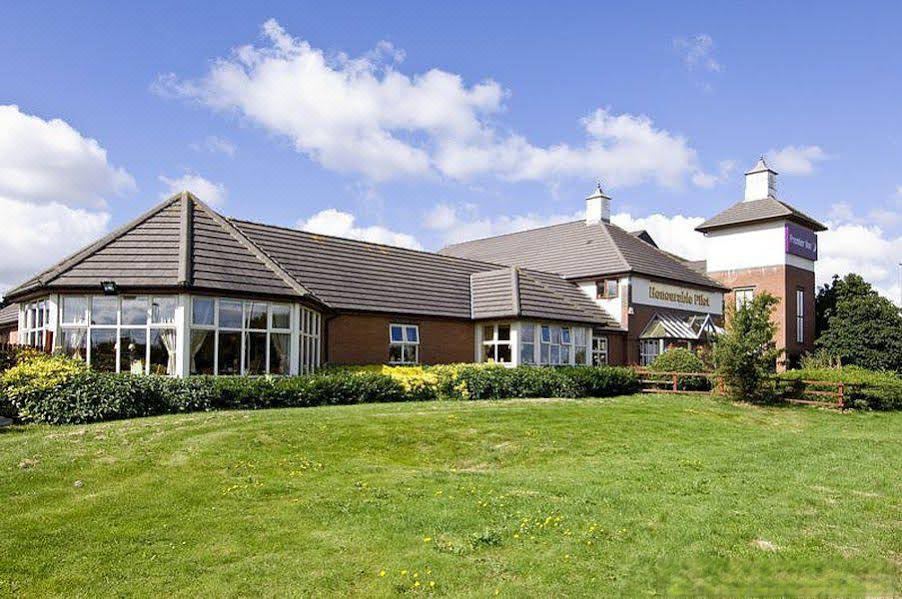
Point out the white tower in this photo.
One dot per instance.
(760, 182)
(598, 207)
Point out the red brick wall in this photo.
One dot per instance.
(363, 339)
(8, 334)
(782, 282)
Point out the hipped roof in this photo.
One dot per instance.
(754, 211)
(185, 244)
(578, 250)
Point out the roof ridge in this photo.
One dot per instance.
(78, 257)
(520, 232)
(260, 254)
(617, 246)
(495, 265)
(663, 254)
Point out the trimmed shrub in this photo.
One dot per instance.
(681, 359)
(602, 381)
(58, 390)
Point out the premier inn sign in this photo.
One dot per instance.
(651, 293)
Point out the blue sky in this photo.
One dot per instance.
(423, 125)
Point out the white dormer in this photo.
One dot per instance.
(760, 182)
(598, 207)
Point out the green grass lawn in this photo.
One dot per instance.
(634, 495)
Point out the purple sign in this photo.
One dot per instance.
(801, 241)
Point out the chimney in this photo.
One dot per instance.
(760, 182)
(598, 207)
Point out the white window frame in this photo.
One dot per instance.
(404, 343)
(118, 327)
(602, 291)
(599, 350)
(244, 330)
(35, 322)
(743, 295)
(646, 357)
(800, 315)
(494, 342)
(310, 324)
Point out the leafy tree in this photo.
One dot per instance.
(745, 354)
(858, 325)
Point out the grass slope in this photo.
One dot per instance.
(638, 495)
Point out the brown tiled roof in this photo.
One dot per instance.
(9, 314)
(757, 211)
(514, 292)
(576, 250)
(184, 244)
(179, 243)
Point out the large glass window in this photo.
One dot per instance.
(743, 296)
(311, 323)
(37, 323)
(129, 333)
(527, 343)
(247, 337)
(649, 349)
(403, 344)
(800, 315)
(496, 343)
(580, 346)
(599, 349)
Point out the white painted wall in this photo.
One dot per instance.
(749, 246)
(613, 306)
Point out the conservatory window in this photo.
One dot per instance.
(649, 349)
(248, 337)
(37, 322)
(599, 350)
(131, 333)
(496, 343)
(527, 343)
(404, 344)
(311, 323)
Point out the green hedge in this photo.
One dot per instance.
(681, 359)
(864, 389)
(57, 390)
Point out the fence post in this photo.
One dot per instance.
(674, 382)
(841, 392)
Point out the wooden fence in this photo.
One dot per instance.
(824, 393)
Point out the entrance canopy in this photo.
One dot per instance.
(666, 324)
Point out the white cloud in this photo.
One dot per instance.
(54, 186)
(343, 224)
(796, 160)
(215, 145)
(464, 223)
(49, 161)
(698, 52)
(707, 181)
(363, 116)
(675, 234)
(209, 192)
(37, 235)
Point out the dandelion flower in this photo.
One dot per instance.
(382, 573)
(427, 539)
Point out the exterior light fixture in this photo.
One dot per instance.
(109, 287)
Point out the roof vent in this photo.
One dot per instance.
(598, 207)
(760, 182)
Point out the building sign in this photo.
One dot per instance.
(801, 241)
(652, 293)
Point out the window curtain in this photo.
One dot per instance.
(281, 343)
(167, 336)
(78, 339)
(196, 342)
